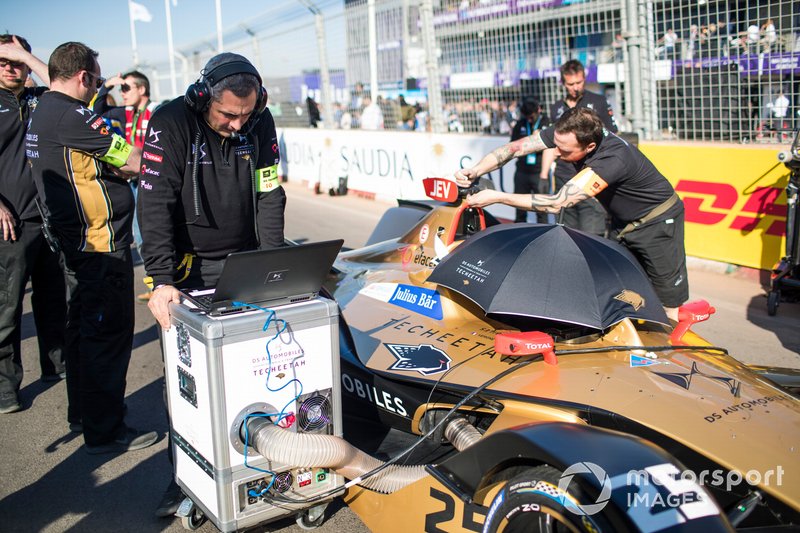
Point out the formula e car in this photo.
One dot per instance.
(533, 424)
(460, 417)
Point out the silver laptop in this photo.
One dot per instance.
(267, 278)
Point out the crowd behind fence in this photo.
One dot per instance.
(675, 70)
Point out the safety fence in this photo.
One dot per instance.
(677, 70)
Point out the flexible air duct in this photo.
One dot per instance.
(327, 451)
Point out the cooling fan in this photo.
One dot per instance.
(283, 482)
(315, 411)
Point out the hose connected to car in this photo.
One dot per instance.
(262, 445)
(327, 451)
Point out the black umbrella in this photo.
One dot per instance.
(552, 273)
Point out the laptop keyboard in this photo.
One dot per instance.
(204, 300)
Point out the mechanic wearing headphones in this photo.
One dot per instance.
(208, 187)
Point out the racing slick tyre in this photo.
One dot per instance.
(531, 502)
(773, 299)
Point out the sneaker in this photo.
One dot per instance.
(132, 440)
(144, 297)
(52, 378)
(170, 501)
(9, 403)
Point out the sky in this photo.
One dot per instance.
(104, 25)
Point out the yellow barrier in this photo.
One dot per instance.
(735, 198)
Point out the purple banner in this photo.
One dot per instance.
(498, 9)
(748, 64)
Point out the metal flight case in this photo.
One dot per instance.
(222, 370)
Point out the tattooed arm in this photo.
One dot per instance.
(584, 185)
(498, 158)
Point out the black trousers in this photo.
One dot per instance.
(29, 259)
(527, 183)
(100, 323)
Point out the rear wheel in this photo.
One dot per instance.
(532, 502)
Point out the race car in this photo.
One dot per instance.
(466, 418)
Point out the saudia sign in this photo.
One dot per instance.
(348, 160)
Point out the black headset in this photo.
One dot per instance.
(198, 95)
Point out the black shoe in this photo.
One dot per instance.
(170, 501)
(133, 439)
(9, 402)
(52, 378)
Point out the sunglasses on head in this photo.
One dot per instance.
(14, 64)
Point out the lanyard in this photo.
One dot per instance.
(535, 126)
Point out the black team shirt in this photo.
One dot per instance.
(17, 189)
(635, 186)
(90, 208)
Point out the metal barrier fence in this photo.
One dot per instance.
(678, 69)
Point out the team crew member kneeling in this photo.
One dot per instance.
(647, 215)
(208, 187)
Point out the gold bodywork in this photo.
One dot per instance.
(704, 400)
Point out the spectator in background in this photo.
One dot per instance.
(420, 118)
(357, 96)
(692, 43)
(371, 115)
(407, 113)
(589, 215)
(529, 176)
(132, 117)
(751, 38)
(390, 111)
(770, 36)
(24, 254)
(667, 42)
(313, 112)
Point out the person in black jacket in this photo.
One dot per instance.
(529, 177)
(194, 216)
(588, 216)
(208, 187)
(24, 254)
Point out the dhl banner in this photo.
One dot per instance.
(735, 199)
(734, 195)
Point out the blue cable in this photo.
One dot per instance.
(280, 328)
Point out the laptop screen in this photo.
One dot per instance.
(274, 276)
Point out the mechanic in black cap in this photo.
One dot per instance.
(208, 187)
(529, 177)
(588, 216)
(646, 214)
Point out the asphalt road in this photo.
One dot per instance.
(48, 483)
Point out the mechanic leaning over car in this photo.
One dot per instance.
(208, 187)
(646, 214)
(588, 216)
